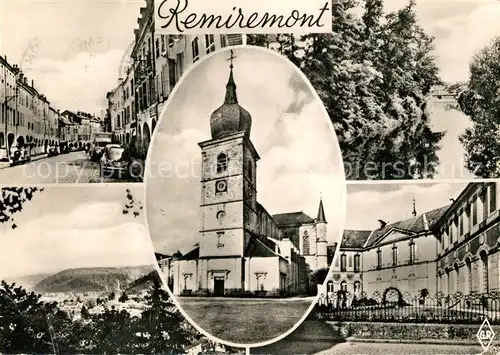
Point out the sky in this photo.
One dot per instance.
(76, 77)
(392, 202)
(66, 227)
(300, 156)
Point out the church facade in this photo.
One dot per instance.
(242, 248)
(452, 250)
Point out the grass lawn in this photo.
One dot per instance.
(243, 320)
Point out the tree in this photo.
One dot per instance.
(316, 278)
(374, 74)
(111, 296)
(84, 312)
(167, 329)
(480, 101)
(123, 298)
(29, 325)
(109, 332)
(12, 200)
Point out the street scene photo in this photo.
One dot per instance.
(80, 99)
(80, 277)
(410, 86)
(244, 267)
(418, 265)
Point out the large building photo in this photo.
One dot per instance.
(240, 210)
(444, 251)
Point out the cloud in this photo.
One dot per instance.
(466, 34)
(366, 204)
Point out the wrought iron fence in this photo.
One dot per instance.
(457, 310)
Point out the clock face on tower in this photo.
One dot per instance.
(221, 186)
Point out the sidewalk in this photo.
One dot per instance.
(6, 164)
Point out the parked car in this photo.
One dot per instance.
(19, 156)
(114, 161)
(53, 151)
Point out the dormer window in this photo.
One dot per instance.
(221, 163)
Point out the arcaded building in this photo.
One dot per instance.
(452, 250)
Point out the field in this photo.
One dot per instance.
(245, 321)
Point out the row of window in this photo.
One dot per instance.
(209, 45)
(330, 286)
(450, 282)
(16, 118)
(480, 207)
(395, 260)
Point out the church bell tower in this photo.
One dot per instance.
(228, 178)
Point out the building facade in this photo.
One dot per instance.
(27, 119)
(449, 251)
(242, 248)
(157, 62)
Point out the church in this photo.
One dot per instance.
(243, 250)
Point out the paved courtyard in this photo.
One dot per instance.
(399, 349)
(243, 320)
(316, 337)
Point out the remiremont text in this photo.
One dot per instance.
(179, 16)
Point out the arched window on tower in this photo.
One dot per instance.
(221, 163)
(305, 244)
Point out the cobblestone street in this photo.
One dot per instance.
(75, 167)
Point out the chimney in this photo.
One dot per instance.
(32, 83)
(382, 223)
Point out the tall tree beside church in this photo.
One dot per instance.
(373, 73)
(481, 102)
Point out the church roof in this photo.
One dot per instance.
(257, 248)
(417, 224)
(192, 255)
(230, 118)
(292, 219)
(354, 238)
(321, 213)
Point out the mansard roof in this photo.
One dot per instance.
(354, 238)
(293, 219)
(418, 224)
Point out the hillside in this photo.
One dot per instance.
(143, 283)
(28, 281)
(102, 279)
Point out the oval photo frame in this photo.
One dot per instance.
(243, 276)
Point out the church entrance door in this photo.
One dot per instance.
(219, 286)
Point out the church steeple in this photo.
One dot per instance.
(321, 212)
(230, 117)
(414, 212)
(231, 97)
